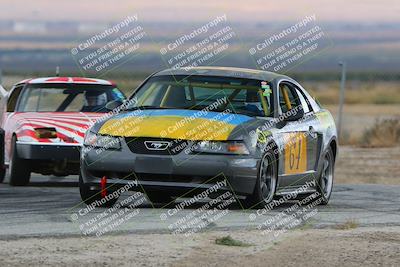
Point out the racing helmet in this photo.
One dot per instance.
(95, 98)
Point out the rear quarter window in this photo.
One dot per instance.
(13, 98)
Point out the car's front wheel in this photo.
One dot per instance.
(265, 188)
(90, 196)
(20, 172)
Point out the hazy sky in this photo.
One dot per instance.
(200, 10)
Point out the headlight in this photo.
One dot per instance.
(102, 141)
(46, 132)
(238, 148)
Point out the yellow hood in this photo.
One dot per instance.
(173, 127)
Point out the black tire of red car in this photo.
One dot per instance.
(159, 197)
(90, 196)
(2, 174)
(20, 172)
(267, 178)
(325, 180)
(2, 165)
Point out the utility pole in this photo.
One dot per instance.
(341, 97)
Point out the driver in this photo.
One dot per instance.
(253, 104)
(94, 101)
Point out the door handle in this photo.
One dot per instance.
(312, 132)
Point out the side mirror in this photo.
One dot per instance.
(294, 115)
(113, 104)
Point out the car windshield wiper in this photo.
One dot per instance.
(145, 107)
(242, 112)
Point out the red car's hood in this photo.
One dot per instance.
(70, 126)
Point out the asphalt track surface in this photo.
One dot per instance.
(48, 205)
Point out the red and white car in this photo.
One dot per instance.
(44, 122)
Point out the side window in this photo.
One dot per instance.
(314, 104)
(304, 103)
(288, 98)
(12, 100)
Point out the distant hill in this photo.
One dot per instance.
(40, 46)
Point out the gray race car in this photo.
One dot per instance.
(184, 130)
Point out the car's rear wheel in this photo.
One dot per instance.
(159, 197)
(90, 196)
(265, 188)
(325, 181)
(20, 172)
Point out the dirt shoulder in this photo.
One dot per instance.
(313, 247)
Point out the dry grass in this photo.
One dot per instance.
(359, 118)
(357, 92)
(384, 133)
(347, 225)
(349, 139)
(357, 165)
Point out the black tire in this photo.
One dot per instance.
(20, 172)
(2, 151)
(267, 178)
(325, 180)
(2, 174)
(90, 196)
(159, 197)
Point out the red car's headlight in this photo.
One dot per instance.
(46, 133)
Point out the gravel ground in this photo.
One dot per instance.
(312, 247)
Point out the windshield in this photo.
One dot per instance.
(243, 96)
(68, 98)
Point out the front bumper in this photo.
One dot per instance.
(175, 173)
(48, 151)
